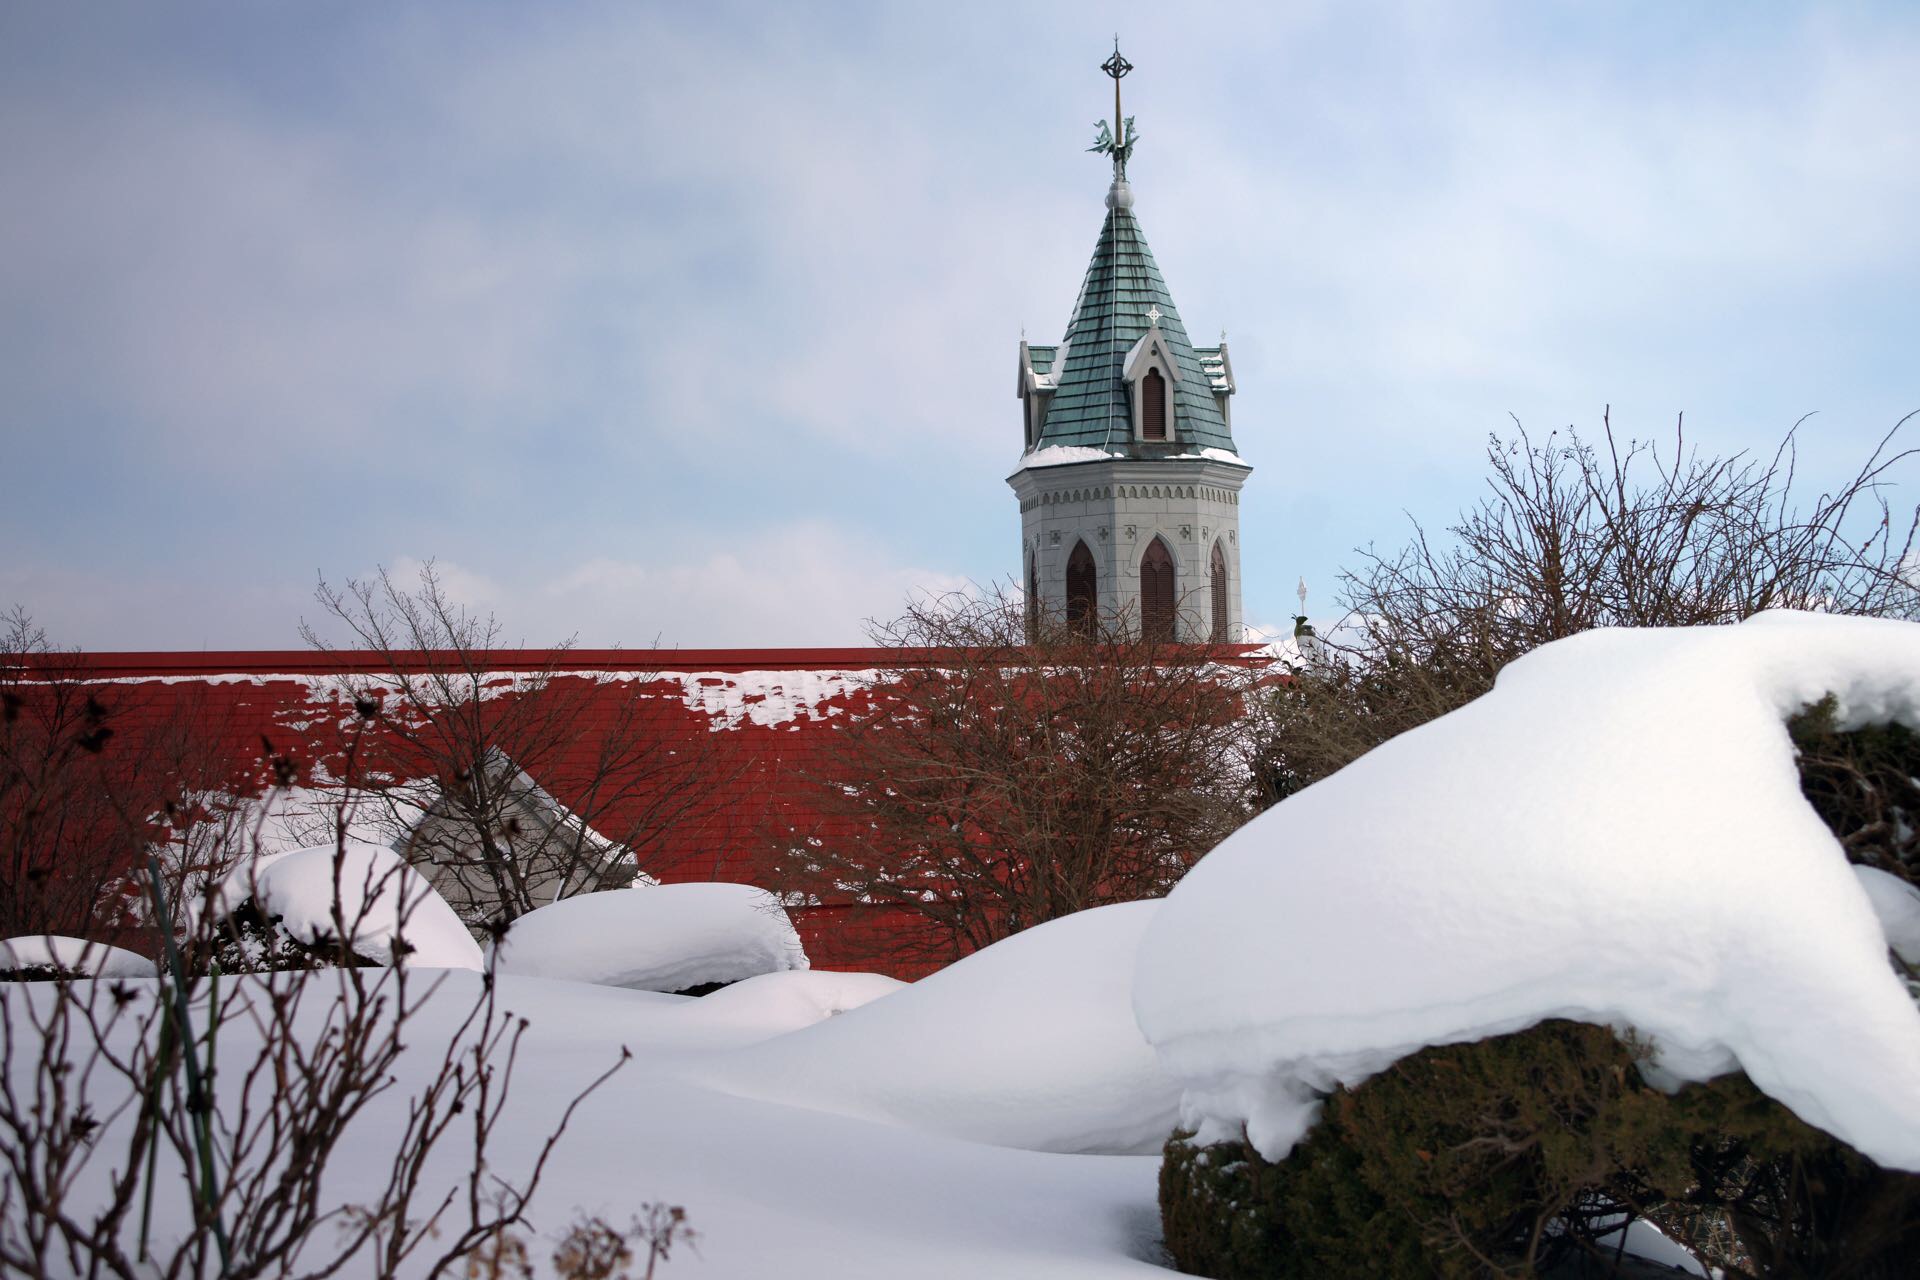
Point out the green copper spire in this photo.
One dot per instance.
(1121, 298)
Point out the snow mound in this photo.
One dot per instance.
(1614, 834)
(781, 1002)
(1028, 1043)
(74, 955)
(664, 937)
(380, 897)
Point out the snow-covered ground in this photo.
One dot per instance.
(787, 1190)
(772, 1188)
(1030, 1043)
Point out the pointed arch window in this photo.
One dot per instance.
(1156, 594)
(1083, 597)
(1217, 575)
(1153, 406)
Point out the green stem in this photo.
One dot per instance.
(199, 1101)
(152, 1119)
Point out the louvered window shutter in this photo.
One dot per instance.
(1153, 406)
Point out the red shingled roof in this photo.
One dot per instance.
(755, 721)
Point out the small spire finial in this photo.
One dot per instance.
(1117, 139)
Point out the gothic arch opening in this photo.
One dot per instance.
(1083, 590)
(1156, 594)
(1033, 600)
(1153, 406)
(1217, 574)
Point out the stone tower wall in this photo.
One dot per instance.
(1117, 508)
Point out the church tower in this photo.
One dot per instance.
(1129, 485)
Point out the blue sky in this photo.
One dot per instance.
(696, 324)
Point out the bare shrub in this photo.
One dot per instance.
(1573, 536)
(116, 1095)
(994, 781)
(479, 752)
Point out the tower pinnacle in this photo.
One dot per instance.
(1117, 139)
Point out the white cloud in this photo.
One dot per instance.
(803, 584)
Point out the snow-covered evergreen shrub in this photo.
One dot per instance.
(1510, 1155)
(1513, 1150)
(248, 940)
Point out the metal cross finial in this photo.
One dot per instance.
(1153, 315)
(1117, 66)
(1116, 140)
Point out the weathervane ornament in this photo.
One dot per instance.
(1119, 147)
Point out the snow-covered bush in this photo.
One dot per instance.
(1524, 1150)
(667, 937)
(349, 902)
(54, 956)
(1617, 834)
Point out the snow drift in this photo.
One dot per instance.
(1614, 834)
(72, 955)
(1028, 1043)
(664, 937)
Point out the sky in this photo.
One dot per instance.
(696, 325)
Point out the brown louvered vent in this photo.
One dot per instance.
(1153, 406)
(1218, 572)
(1156, 594)
(1082, 590)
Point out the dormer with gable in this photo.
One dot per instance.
(1129, 480)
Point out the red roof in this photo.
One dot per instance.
(752, 722)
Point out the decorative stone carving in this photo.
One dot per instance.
(1054, 537)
